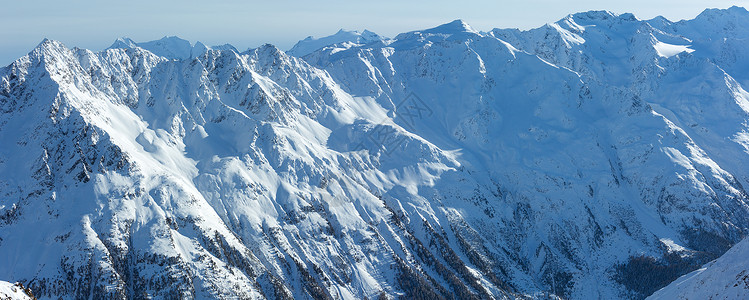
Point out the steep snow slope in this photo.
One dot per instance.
(203, 178)
(628, 52)
(567, 161)
(725, 278)
(11, 291)
(599, 130)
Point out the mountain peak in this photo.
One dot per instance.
(312, 44)
(268, 47)
(49, 46)
(123, 42)
(457, 29)
(659, 22)
(733, 11)
(731, 21)
(594, 15)
(737, 9)
(173, 38)
(597, 16)
(456, 26)
(172, 47)
(267, 50)
(47, 43)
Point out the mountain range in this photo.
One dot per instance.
(598, 157)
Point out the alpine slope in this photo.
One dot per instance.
(598, 157)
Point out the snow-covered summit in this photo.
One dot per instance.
(601, 16)
(454, 27)
(717, 13)
(171, 47)
(344, 38)
(455, 30)
(123, 43)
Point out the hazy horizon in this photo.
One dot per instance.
(93, 25)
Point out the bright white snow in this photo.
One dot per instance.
(466, 163)
(12, 291)
(669, 50)
(725, 278)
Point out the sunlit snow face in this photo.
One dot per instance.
(573, 159)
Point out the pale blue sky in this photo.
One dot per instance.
(95, 24)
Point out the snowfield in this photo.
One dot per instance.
(12, 291)
(725, 278)
(597, 157)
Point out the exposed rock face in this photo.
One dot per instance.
(568, 160)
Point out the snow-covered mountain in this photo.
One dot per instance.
(342, 39)
(171, 47)
(725, 278)
(601, 156)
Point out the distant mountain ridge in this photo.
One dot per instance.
(342, 38)
(171, 47)
(597, 157)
